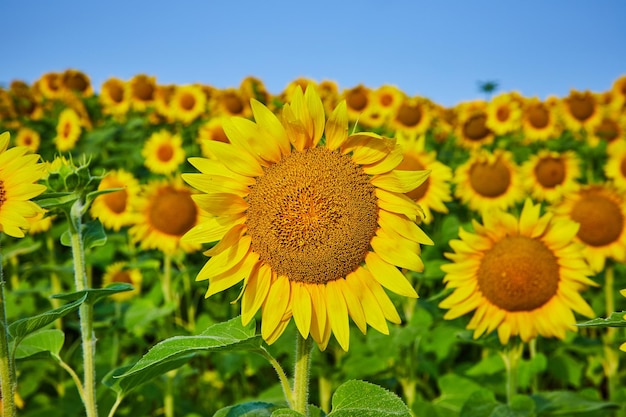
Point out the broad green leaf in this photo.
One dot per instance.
(93, 234)
(22, 327)
(480, 404)
(359, 398)
(56, 200)
(251, 409)
(286, 412)
(455, 390)
(614, 320)
(567, 403)
(21, 247)
(43, 341)
(230, 335)
(94, 294)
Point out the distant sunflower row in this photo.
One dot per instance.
(484, 156)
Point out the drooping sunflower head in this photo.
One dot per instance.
(20, 170)
(313, 221)
(120, 272)
(520, 276)
(187, 103)
(115, 209)
(69, 129)
(548, 175)
(163, 152)
(600, 209)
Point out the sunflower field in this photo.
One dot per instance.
(156, 242)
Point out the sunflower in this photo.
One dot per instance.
(19, 173)
(600, 210)
(120, 272)
(68, 130)
(25, 102)
(50, 85)
(163, 152)
(40, 223)
(521, 276)
(252, 87)
(504, 114)
(187, 103)
(435, 191)
(211, 130)
(114, 209)
(548, 175)
(315, 228)
(115, 97)
(615, 168)
(413, 116)
(539, 120)
(611, 129)
(166, 212)
(162, 97)
(142, 88)
(488, 180)
(357, 99)
(328, 91)
(229, 102)
(471, 130)
(580, 111)
(618, 90)
(78, 82)
(29, 138)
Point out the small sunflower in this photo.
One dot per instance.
(615, 168)
(435, 191)
(77, 82)
(187, 103)
(548, 175)
(504, 114)
(611, 130)
(68, 130)
(600, 210)
(142, 88)
(521, 276)
(166, 212)
(618, 90)
(40, 223)
(211, 130)
(580, 111)
(29, 138)
(19, 173)
(252, 87)
(50, 85)
(314, 228)
(115, 209)
(115, 97)
(413, 116)
(472, 131)
(357, 99)
(488, 180)
(539, 120)
(229, 102)
(119, 272)
(163, 152)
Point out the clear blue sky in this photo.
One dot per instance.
(437, 49)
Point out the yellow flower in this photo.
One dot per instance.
(413, 116)
(521, 276)
(187, 103)
(78, 82)
(539, 120)
(488, 180)
(618, 91)
(119, 272)
(142, 89)
(19, 173)
(229, 102)
(165, 213)
(384, 104)
(504, 114)
(357, 99)
(211, 130)
(50, 85)
(435, 191)
(580, 111)
(163, 152)
(115, 97)
(29, 138)
(471, 130)
(68, 130)
(40, 223)
(611, 129)
(600, 210)
(115, 209)
(315, 228)
(615, 167)
(548, 175)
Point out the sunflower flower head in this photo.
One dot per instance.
(520, 276)
(20, 170)
(311, 221)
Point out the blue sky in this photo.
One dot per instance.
(436, 49)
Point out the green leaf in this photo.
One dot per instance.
(43, 341)
(286, 412)
(359, 398)
(615, 320)
(455, 390)
(250, 409)
(230, 336)
(25, 326)
(53, 200)
(92, 234)
(566, 403)
(94, 294)
(480, 404)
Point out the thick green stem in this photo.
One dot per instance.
(301, 375)
(85, 314)
(611, 359)
(7, 370)
(282, 376)
(511, 356)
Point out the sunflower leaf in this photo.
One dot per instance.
(616, 319)
(567, 403)
(174, 352)
(41, 343)
(92, 295)
(359, 398)
(249, 409)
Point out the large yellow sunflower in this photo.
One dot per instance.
(435, 191)
(313, 222)
(504, 113)
(471, 130)
(521, 276)
(163, 152)
(19, 172)
(187, 103)
(548, 175)
(615, 168)
(115, 97)
(68, 130)
(488, 180)
(600, 210)
(115, 209)
(166, 212)
(29, 138)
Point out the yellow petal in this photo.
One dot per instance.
(337, 127)
(318, 303)
(270, 126)
(212, 229)
(235, 158)
(225, 260)
(216, 168)
(301, 308)
(389, 276)
(275, 306)
(399, 181)
(240, 271)
(246, 134)
(257, 288)
(387, 307)
(355, 309)
(316, 114)
(216, 184)
(403, 226)
(388, 163)
(368, 148)
(338, 314)
(220, 204)
(397, 203)
(373, 313)
(397, 250)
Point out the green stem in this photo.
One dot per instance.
(118, 401)
(54, 279)
(611, 359)
(325, 389)
(73, 374)
(7, 370)
(282, 376)
(167, 278)
(301, 375)
(168, 401)
(532, 349)
(511, 356)
(85, 313)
